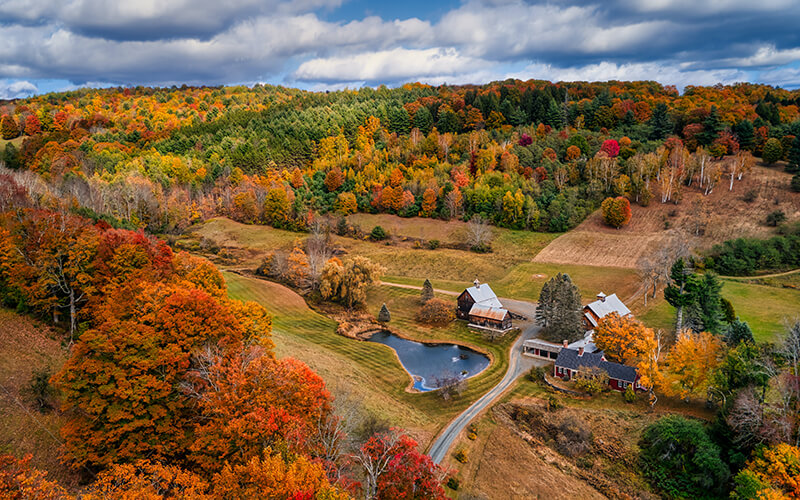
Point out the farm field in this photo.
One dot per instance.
(365, 371)
(509, 269)
(722, 215)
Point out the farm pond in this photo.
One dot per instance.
(430, 364)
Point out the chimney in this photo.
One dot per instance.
(601, 297)
(580, 351)
(477, 283)
(565, 343)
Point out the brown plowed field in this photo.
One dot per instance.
(720, 216)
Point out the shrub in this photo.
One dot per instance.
(629, 395)
(378, 233)
(750, 196)
(775, 218)
(40, 389)
(461, 456)
(436, 312)
(592, 380)
(553, 403)
(795, 184)
(472, 436)
(433, 244)
(537, 373)
(452, 483)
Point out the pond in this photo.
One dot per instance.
(429, 364)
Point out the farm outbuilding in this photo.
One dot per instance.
(480, 306)
(603, 306)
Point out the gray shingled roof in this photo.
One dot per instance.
(568, 358)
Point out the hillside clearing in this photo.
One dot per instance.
(720, 216)
(26, 346)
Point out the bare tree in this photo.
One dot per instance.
(654, 269)
(791, 351)
(479, 233)
(319, 249)
(450, 386)
(375, 464)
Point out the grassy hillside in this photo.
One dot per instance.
(370, 373)
(27, 346)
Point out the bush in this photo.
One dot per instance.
(472, 436)
(40, 389)
(750, 196)
(378, 233)
(452, 483)
(553, 403)
(537, 373)
(461, 456)
(436, 312)
(629, 395)
(795, 184)
(433, 244)
(592, 380)
(775, 218)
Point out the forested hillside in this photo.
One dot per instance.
(529, 155)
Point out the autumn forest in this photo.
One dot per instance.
(172, 387)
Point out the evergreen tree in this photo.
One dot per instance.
(727, 310)
(399, 121)
(794, 156)
(679, 293)
(544, 308)
(559, 310)
(554, 115)
(448, 122)
(712, 126)
(707, 296)
(660, 123)
(745, 133)
(383, 315)
(738, 331)
(427, 291)
(423, 120)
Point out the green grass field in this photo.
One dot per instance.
(765, 308)
(369, 372)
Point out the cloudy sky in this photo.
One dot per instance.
(48, 45)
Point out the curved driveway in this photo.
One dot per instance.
(517, 365)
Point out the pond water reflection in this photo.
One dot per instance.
(428, 364)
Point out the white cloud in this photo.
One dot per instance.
(15, 89)
(668, 74)
(388, 65)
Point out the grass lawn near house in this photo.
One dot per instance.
(370, 372)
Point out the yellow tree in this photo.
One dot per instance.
(625, 340)
(690, 363)
(429, 198)
(346, 203)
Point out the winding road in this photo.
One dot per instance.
(517, 366)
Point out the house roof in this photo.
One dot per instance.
(487, 312)
(587, 342)
(543, 344)
(601, 308)
(484, 295)
(569, 358)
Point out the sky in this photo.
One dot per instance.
(53, 45)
